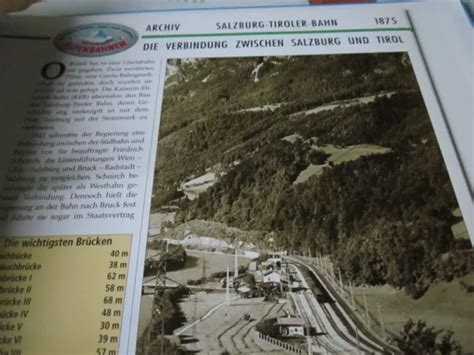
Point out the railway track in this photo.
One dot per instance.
(355, 328)
(345, 335)
(322, 343)
(341, 343)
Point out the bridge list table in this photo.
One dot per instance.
(62, 294)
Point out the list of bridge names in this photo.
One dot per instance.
(62, 294)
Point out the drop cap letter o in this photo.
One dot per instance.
(53, 70)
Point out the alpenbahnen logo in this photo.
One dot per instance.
(95, 40)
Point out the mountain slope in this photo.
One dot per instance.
(383, 217)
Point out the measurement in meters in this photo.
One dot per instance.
(114, 289)
(108, 312)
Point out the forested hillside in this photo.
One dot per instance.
(332, 153)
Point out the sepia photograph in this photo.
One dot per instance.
(301, 205)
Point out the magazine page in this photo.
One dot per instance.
(75, 195)
(448, 49)
(278, 180)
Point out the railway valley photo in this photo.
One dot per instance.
(301, 205)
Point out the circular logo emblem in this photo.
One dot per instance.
(96, 40)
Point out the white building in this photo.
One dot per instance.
(274, 259)
(291, 326)
(272, 277)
